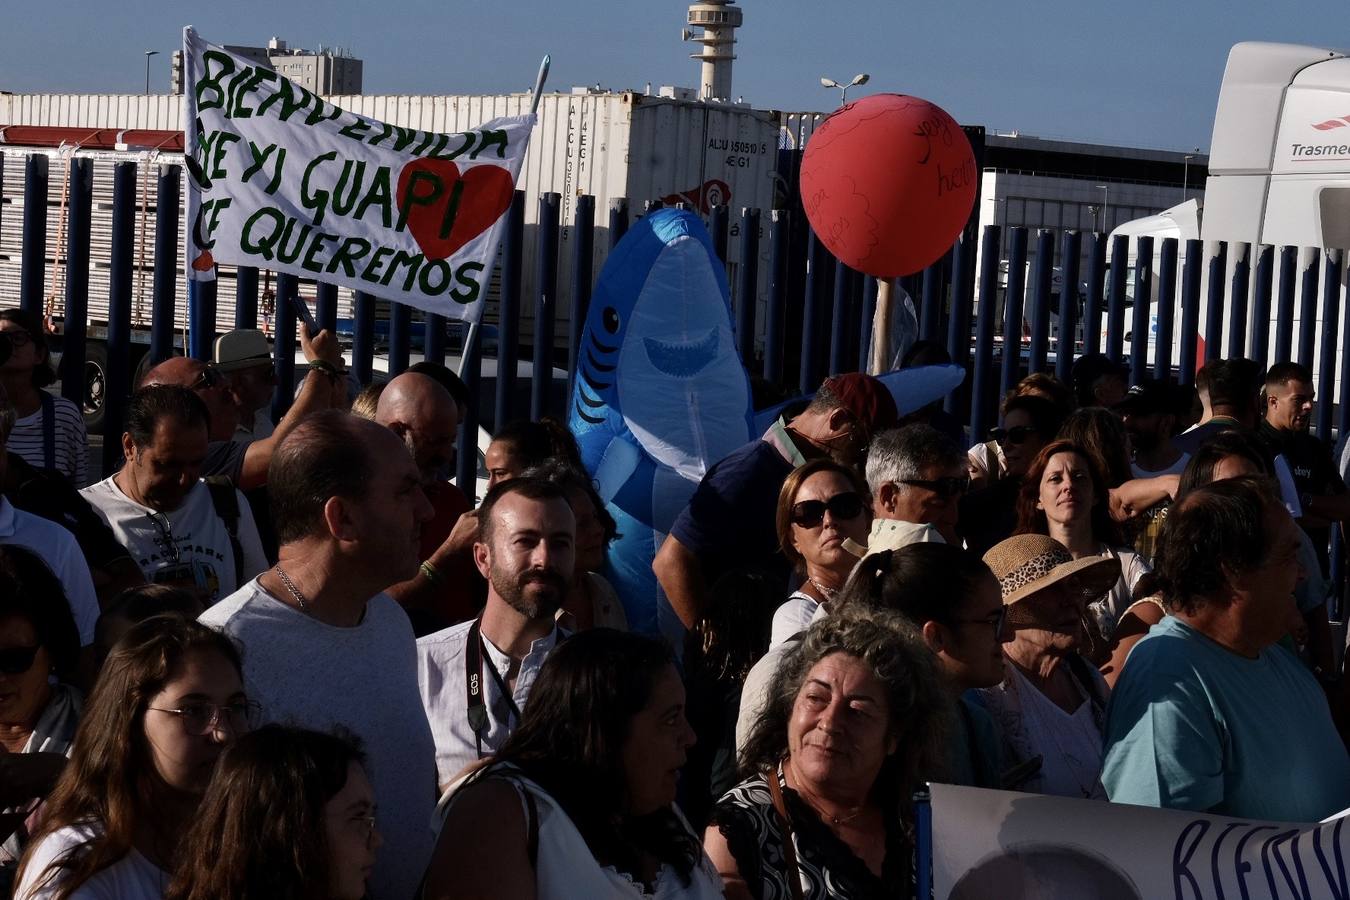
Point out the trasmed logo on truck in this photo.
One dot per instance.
(1332, 123)
(1299, 152)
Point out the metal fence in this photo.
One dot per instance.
(1270, 304)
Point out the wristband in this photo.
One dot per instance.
(326, 368)
(427, 569)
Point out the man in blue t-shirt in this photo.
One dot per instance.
(729, 522)
(1211, 714)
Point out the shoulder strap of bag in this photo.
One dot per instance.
(226, 504)
(48, 430)
(794, 878)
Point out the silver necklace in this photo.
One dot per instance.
(295, 591)
(825, 592)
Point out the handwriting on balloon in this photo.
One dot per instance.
(933, 126)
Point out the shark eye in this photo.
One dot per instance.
(610, 319)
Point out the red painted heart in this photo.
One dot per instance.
(445, 209)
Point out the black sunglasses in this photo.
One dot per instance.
(996, 623)
(210, 377)
(1015, 435)
(951, 486)
(17, 660)
(811, 513)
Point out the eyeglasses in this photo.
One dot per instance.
(164, 538)
(209, 377)
(365, 826)
(18, 337)
(1018, 434)
(811, 513)
(17, 660)
(199, 718)
(997, 622)
(951, 486)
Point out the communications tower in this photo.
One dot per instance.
(718, 20)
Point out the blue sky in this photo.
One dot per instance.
(1144, 73)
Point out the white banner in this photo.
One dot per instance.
(283, 180)
(1013, 846)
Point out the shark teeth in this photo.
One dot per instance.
(682, 359)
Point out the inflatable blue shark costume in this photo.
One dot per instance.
(660, 394)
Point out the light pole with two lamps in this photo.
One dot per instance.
(148, 54)
(859, 79)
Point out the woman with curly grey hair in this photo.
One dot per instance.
(856, 713)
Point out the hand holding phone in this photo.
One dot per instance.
(302, 310)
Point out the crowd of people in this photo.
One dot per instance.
(293, 660)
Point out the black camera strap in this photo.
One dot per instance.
(476, 658)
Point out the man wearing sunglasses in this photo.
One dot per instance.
(917, 475)
(729, 522)
(246, 357)
(245, 465)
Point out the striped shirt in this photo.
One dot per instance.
(72, 443)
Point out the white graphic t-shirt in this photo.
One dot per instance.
(189, 545)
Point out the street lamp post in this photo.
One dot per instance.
(1106, 204)
(148, 54)
(1186, 174)
(860, 78)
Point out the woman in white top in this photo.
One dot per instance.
(169, 698)
(49, 432)
(580, 800)
(821, 505)
(1050, 710)
(1064, 497)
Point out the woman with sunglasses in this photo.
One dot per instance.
(290, 815)
(169, 698)
(821, 505)
(49, 432)
(1064, 496)
(39, 709)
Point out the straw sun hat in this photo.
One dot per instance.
(1027, 563)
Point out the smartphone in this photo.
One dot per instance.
(302, 310)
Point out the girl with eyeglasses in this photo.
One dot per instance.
(290, 815)
(39, 708)
(169, 699)
(822, 504)
(49, 432)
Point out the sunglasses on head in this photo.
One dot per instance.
(811, 513)
(209, 377)
(17, 660)
(1015, 435)
(951, 486)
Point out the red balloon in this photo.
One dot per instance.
(888, 182)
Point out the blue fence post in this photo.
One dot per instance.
(1307, 326)
(168, 263)
(1343, 416)
(245, 297)
(747, 294)
(1012, 309)
(325, 306)
(1284, 316)
(1190, 311)
(508, 318)
(1214, 305)
(843, 294)
(33, 269)
(1115, 302)
(923, 845)
(1237, 300)
(1167, 309)
(1260, 318)
(982, 400)
(618, 220)
(400, 335)
(1042, 284)
(719, 224)
(119, 312)
(433, 340)
(1141, 326)
(1070, 252)
(545, 304)
(283, 345)
(930, 309)
(363, 337)
(812, 312)
(774, 316)
(202, 318)
(1329, 328)
(1096, 290)
(80, 217)
(583, 263)
(958, 323)
(466, 465)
